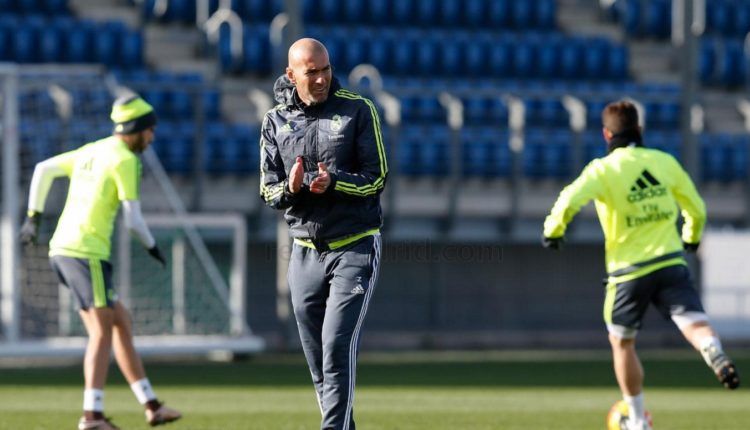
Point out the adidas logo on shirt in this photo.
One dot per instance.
(646, 187)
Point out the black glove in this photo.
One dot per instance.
(691, 247)
(156, 253)
(555, 243)
(30, 228)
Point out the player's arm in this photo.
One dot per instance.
(45, 173)
(692, 207)
(371, 177)
(126, 176)
(274, 184)
(570, 201)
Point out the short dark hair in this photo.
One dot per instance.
(620, 116)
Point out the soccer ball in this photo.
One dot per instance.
(618, 416)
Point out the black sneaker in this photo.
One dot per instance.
(728, 375)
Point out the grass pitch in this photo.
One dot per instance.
(435, 391)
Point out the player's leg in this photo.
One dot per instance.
(131, 366)
(678, 300)
(308, 289)
(624, 307)
(352, 287)
(93, 294)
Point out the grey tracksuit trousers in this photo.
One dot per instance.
(330, 294)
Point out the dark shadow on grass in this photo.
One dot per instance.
(264, 372)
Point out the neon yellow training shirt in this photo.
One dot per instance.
(636, 192)
(102, 174)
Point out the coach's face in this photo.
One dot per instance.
(310, 71)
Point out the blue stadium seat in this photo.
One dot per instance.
(571, 58)
(212, 104)
(707, 61)
(107, 43)
(408, 158)
(475, 57)
(546, 13)
(451, 56)
(379, 11)
(79, 42)
(257, 51)
(380, 54)
(331, 11)
(658, 18)
(715, 157)
(354, 12)
(427, 57)
(501, 59)
(27, 41)
(719, 15)
(631, 15)
(617, 67)
(499, 15)
(404, 52)
(524, 58)
(477, 155)
(740, 159)
(742, 19)
(356, 49)
(430, 110)
(433, 152)
(180, 104)
(451, 13)
(403, 12)
(427, 13)
(532, 158)
(477, 111)
(549, 58)
(523, 14)
(731, 65)
(131, 49)
(51, 43)
(475, 13)
(595, 58)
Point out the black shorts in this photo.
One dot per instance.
(90, 280)
(670, 290)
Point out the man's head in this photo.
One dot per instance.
(619, 118)
(134, 122)
(310, 70)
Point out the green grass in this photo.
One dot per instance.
(510, 391)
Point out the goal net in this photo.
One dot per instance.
(197, 304)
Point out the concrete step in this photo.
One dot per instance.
(106, 10)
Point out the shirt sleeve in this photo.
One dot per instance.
(135, 223)
(586, 187)
(692, 207)
(127, 177)
(273, 178)
(370, 179)
(45, 173)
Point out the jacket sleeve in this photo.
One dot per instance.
(370, 179)
(692, 207)
(273, 177)
(572, 198)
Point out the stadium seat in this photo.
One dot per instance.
(523, 14)
(257, 51)
(451, 13)
(403, 12)
(658, 18)
(546, 13)
(475, 13)
(501, 57)
(571, 58)
(427, 57)
(379, 11)
(499, 15)
(617, 67)
(427, 13)
(25, 43)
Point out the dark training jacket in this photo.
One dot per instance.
(344, 133)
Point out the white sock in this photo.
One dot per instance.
(710, 349)
(93, 400)
(637, 409)
(143, 391)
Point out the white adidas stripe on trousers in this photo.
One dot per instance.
(354, 343)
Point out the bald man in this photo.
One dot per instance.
(323, 162)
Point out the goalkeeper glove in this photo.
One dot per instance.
(555, 243)
(691, 247)
(30, 227)
(156, 254)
